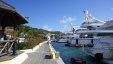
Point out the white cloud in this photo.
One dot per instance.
(46, 27)
(111, 8)
(67, 20)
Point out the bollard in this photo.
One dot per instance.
(54, 57)
(57, 54)
(53, 53)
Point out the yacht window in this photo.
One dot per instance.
(105, 34)
(98, 26)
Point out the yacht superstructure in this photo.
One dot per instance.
(102, 38)
(91, 22)
(67, 36)
(103, 49)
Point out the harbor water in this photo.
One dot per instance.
(67, 53)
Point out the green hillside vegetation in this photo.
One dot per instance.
(34, 36)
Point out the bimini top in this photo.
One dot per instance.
(9, 16)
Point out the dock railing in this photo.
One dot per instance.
(7, 47)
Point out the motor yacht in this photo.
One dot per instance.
(103, 44)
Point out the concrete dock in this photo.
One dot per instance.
(39, 56)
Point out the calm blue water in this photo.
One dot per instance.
(68, 52)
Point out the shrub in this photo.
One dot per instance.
(30, 43)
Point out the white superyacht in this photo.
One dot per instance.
(102, 39)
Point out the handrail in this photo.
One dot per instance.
(3, 48)
(8, 46)
(11, 46)
(2, 41)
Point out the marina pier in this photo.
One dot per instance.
(56, 32)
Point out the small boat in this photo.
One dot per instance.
(67, 44)
(79, 45)
(77, 61)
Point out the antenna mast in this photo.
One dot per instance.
(88, 17)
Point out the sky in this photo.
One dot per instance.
(58, 15)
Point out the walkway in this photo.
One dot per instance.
(39, 56)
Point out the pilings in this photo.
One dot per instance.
(76, 41)
(92, 41)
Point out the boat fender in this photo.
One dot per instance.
(98, 56)
(77, 61)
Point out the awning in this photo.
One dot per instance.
(9, 16)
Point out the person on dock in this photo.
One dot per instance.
(49, 39)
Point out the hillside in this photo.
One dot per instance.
(32, 32)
